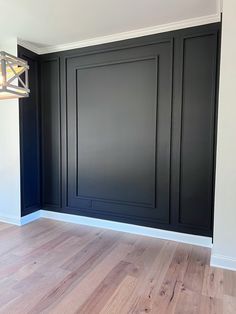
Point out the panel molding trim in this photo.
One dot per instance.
(124, 35)
(117, 226)
(150, 204)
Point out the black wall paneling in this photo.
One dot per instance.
(197, 130)
(128, 130)
(193, 129)
(119, 109)
(51, 129)
(30, 139)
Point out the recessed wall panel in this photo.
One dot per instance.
(116, 122)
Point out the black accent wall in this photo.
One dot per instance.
(128, 130)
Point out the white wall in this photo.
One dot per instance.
(224, 248)
(9, 151)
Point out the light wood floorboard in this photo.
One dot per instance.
(54, 267)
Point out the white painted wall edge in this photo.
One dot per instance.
(112, 225)
(124, 35)
(222, 261)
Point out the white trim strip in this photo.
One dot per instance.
(222, 261)
(10, 220)
(113, 225)
(22, 220)
(32, 47)
(129, 228)
(29, 218)
(122, 36)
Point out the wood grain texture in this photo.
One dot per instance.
(55, 267)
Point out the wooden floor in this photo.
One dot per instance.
(55, 267)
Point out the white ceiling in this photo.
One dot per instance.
(49, 23)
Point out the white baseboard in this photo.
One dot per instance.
(31, 217)
(129, 228)
(222, 261)
(10, 220)
(118, 226)
(21, 220)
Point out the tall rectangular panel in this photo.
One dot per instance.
(30, 139)
(116, 107)
(118, 130)
(50, 133)
(197, 130)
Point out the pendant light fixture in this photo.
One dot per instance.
(13, 77)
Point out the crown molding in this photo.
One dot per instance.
(123, 36)
(29, 46)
